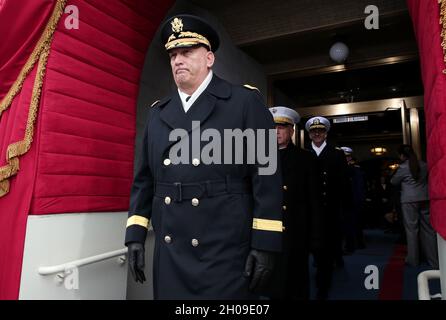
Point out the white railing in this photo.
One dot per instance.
(423, 284)
(64, 269)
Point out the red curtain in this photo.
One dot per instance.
(15, 206)
(426, 16)
(21, 25)
(81, 155)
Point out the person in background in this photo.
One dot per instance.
(335, 198)
(354, 237)
(411, 176)
(301, 212)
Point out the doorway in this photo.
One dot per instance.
(373, 130)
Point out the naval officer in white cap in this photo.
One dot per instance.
(348, 152)
(301, 212)
(335, 195)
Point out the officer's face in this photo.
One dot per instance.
(318, 136)
(284, 134)
(190, 67)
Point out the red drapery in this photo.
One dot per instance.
(426, 17)
(21, 25)
(87, 103)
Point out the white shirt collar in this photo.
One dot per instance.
(318, 150)
(196, 94)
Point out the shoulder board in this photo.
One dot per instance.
(250, 87)
(337, 148)
(153, 104)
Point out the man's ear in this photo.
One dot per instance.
(210, 59)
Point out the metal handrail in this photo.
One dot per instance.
(44, 271)
(423, 284)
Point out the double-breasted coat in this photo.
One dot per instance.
(335, 198)
(206, 217)
(303, 223)
(335, 190)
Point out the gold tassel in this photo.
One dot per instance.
(41, 52)
(43, 42)
(19, 148)
(4, 188)
(442, 4)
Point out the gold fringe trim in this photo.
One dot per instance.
(442, 4)
(4, 188)
(40, 54)
(43, 42)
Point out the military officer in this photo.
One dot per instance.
(217, 226)
(302, 218)
(334, 195)
(354, 237)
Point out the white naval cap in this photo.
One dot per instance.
(317, 123)
(284, 115)
(347, 150)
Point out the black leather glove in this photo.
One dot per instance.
(259, 267)
(136, 261)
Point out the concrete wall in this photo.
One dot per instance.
(156, 82)
(58, 239)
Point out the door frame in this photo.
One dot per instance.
(409, 115)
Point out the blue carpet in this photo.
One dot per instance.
(348, 282)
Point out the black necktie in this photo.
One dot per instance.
(187, 99)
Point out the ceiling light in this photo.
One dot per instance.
(378, 151)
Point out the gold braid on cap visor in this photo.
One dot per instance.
(186, 39)
(283, 120)
(317, 126)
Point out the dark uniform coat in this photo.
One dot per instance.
(335, 197)
(303, 222)
(206, 218)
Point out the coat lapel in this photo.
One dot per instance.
(324, 152)
(205, 104)
(173, 115)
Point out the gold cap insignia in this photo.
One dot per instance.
(274, 110)
(316, 121)
(177, 25)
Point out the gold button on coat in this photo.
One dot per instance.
(167, 200)
(196, 162)
(285, 188)
(195, 243)
(167, 162)
(284, 207)
(195, 202)
(167, 239)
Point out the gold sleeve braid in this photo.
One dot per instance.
(267, 225)
(138, 220)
